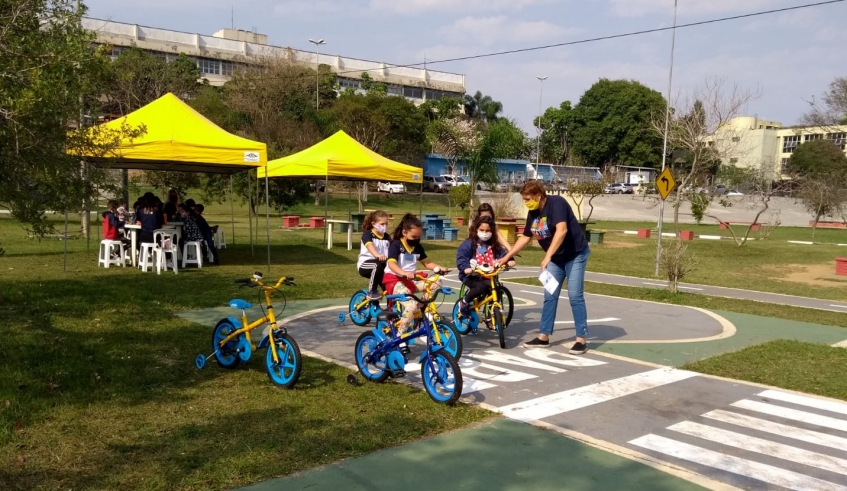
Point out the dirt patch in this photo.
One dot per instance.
(813, 274)
(614, 244)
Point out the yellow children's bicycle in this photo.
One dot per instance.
(488, 309)
(231, 338)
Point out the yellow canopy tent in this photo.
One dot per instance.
(180, 139)
(340, 157)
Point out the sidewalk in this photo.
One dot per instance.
(497, 455)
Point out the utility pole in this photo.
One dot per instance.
(665, 144)
(317, 44)
(540, 113)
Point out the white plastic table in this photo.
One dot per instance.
(329, 225)
(133, 229)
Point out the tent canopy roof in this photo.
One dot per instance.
(178, 138)
(340, 157)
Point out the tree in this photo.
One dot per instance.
(474, 144)
(482, 107)
(611, 124)
(821, 168)
(759, 190)
(512, 142)
(556, 133)
(371, 86)
(48, 71)
(444, 108)
(834, 110)
(701, 137)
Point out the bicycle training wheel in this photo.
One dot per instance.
(442, 377)
(226, 355)
(450, 339)
(508, 303)
(360, 316)
(500, 325)
(376, 371)
(286, 371)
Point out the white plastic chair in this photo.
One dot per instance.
(147, 256)
(166, 243)
(192, 253)
(220, 240)
(105, 255)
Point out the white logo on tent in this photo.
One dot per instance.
(415, 177)
(251, 157)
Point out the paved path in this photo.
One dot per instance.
(716, 291)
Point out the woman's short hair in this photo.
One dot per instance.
(533, 188)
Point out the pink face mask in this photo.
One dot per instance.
(380, 227)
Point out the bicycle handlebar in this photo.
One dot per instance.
(256, 280)
(444, 289)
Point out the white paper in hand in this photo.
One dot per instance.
(549, 282)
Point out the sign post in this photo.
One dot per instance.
(665, 183)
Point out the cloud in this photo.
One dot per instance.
(418, 6)
(639, 8)
(491, 30)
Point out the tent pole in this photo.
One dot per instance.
(326, 204)
(421, 209)
(250, 211)
(65, 260)
(232, 209)
(268, 220)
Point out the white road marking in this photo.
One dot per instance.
(665, 284)
(710, 237)
(803, 242)
(500, 357)
(831, 406)
(550, 356)
(762, 446)
(542, 294)
(815, 437)
(838, 306)
(469, 385)
(784, 412)
(840, 344)
(654, 284)
(569, 400)
(735, 465)
(604, 319)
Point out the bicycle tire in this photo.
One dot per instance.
(226, 355)
(500, 325)
(465, 325)
(445, 384)
(451, 340)
(507, 301)
(368, 341)
(285, 373)
(363, 316)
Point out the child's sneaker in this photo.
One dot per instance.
(464, 308)
(374, 295)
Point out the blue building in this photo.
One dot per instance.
(513, 171)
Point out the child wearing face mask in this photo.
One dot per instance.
(481, 249)
(404, 253)
(374, 251)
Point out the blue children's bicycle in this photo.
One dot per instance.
(232, 346)
(380, 353)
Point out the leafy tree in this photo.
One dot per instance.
(611, 124)
(511, 141)
(476, 145)
(444, 108)
(48, 71)
(834, 110)
(371, 86)
(555, 126)
(482, 107)
(821, 168)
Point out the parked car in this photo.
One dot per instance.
(720, 189)
(734, 192)
(391, 187)
(619, 188)
(456, 180)
(498, 187)
(437, 184)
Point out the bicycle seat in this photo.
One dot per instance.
(387, 316)
(237, 303)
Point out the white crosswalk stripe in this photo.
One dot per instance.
(749, 454)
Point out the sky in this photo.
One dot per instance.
(788, 58)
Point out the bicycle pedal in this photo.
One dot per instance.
(397, 373)
(405, 350)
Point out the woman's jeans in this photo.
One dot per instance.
(574, 271)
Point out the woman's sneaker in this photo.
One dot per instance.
(537, 343)
(578, 349)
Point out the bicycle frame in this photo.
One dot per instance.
(270, 318)
(492, 297)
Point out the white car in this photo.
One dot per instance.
(733, 192)
(391, 187)
(456, 180)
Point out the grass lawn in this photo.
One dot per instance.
(806, 367)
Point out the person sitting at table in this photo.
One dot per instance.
(206, 230)
(170, 208)
(112, 226)
(190, 228)
(150, 219)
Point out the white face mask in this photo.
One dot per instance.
(380, 227)
(484, 236)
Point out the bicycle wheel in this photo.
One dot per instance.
(226, 355)
(465, 324)
(285, 372)
(500, 325)
(360, 316)
(375, 371)
(442, 377)
(450, 339)
(508, 303)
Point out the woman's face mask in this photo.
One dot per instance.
(484, 236)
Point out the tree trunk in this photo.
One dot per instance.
(317, 193)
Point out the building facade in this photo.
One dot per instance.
(218, 55)
(750, 142)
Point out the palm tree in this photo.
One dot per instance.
(473, 144)
(482, 107)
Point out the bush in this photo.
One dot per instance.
(461, 196)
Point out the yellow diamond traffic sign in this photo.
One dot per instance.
(665, 183)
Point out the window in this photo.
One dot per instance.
(345, 83)
(209, 67)
(839, 139)
(227, 68)
(413, 93)
(783, 166)
(433, 95)
(789, 143)
(808, 138)
(395, 90)
(733, 160)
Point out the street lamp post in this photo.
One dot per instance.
(540, 113)
(317, 44)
